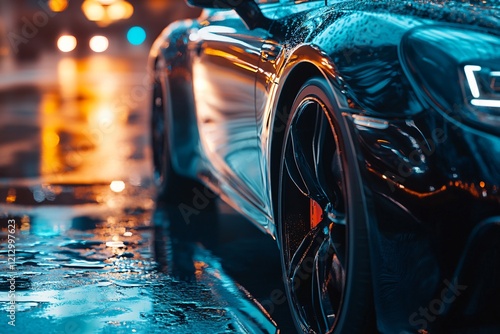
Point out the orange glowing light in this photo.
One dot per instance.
(11, 196)
(120, 10)
(93, 10)
(51, 162)
(50, 139)
(58, 5)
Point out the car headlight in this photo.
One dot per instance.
(457, 70)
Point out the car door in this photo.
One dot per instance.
(224, 68)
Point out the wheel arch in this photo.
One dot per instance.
(304, 63)
(170, 59)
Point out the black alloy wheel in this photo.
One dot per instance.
(323, 218)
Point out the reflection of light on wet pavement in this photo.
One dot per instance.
(67, 75)
(53, 223)
(50, 160)
(115, 244)
(85, 135)
(120, 293)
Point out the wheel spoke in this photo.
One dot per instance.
(304, 152)
(325, 313)
(302, 269)
(318, 147)
(335, 283)
(306, 251)
(291, 163)
(312, 157)
(317, 273)
(302, 155)
(315, 245)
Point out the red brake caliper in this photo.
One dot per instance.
(315, 212)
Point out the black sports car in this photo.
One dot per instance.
(363, 135)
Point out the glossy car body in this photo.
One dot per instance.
(418, 87)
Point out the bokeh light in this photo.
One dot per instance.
(58, 5)
(136, 35)
(50, 138)
(120, 10)
(104, 12)
(117, 186)
(66, 43)
(93, 10)
(99, 44)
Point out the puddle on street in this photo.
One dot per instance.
(95, 268)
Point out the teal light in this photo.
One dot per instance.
(136, 35)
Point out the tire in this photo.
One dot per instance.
(172, 188)
(322, 219)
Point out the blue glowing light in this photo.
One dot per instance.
(136, 35)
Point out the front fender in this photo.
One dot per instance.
(368, 62)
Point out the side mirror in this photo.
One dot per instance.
(248, 10)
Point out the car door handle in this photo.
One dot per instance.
(270, 51)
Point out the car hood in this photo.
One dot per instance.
(482, 13)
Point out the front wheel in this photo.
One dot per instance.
(322, 218)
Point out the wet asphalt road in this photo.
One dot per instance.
(93, 251)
